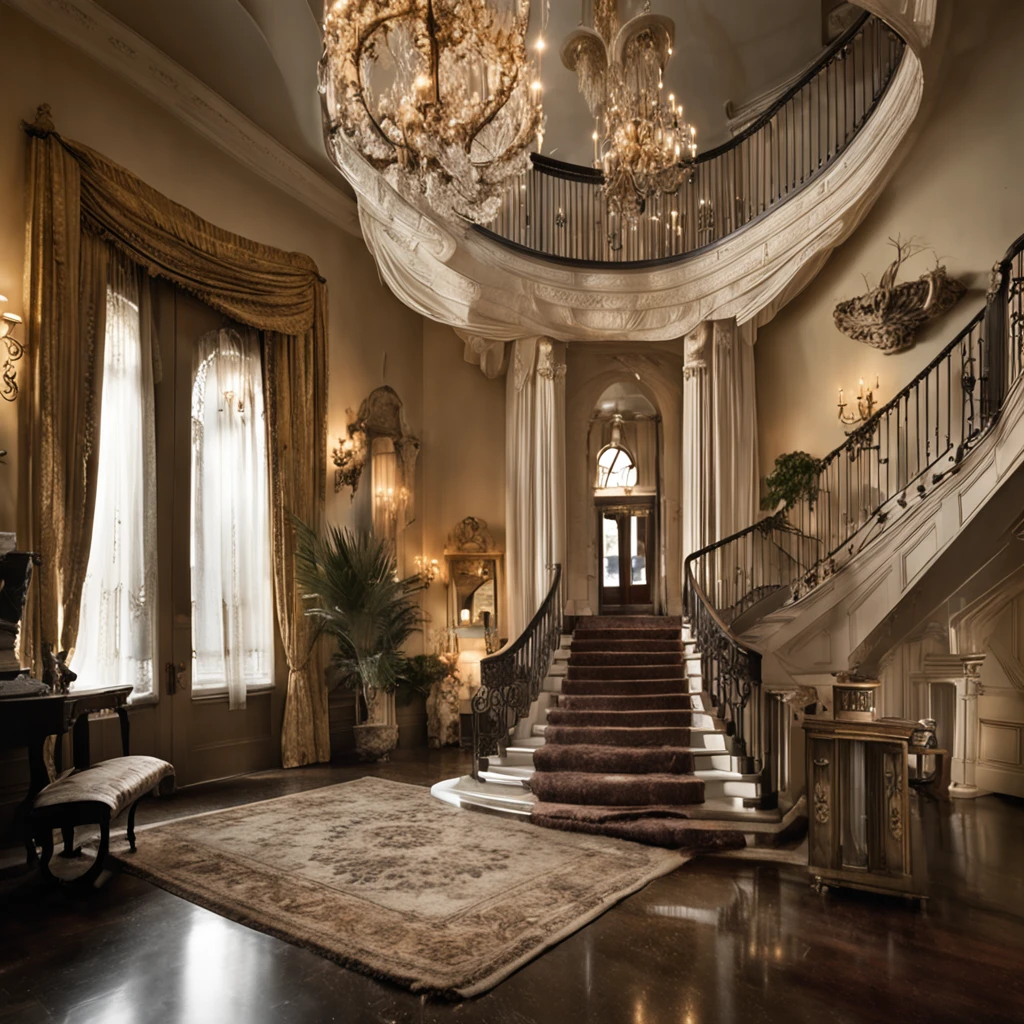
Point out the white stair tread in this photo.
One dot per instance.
(526, 744)
(725, 774)
(513, 759)
(506, 773)
(467, 792)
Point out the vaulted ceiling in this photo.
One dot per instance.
(261, 56)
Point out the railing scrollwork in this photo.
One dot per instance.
(885, 466)
(511, 679)
(558, 210)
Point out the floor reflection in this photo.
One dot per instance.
(717, 942)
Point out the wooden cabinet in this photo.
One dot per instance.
(861, 832)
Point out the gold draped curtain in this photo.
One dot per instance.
(81, 205)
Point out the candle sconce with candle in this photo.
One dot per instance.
(427, 569)
(864, 408)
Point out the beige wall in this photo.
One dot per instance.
(463, 456)
(959, 190)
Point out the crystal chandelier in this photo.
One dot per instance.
(439, 95)
(641, 142)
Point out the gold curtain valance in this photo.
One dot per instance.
(256, 284)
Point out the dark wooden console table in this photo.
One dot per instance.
(861, 829)
(28, 721)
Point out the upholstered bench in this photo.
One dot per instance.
(94, 796)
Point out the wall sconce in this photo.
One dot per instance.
(427, 569)
(349, 459)
(391, 502)
(865, 405)
(9, 323)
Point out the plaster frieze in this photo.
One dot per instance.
(112, 44)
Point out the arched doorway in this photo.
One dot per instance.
(623, 453)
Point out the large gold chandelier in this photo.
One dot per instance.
(641, 141)
(438, 94)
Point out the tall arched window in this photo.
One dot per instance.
(615, 467)
(116, 625)
(232, 587)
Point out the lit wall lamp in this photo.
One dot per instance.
(9, 323)
(427, 569)
(390, 501)
(865, 407)
(350, 458)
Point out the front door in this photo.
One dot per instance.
(626, 543)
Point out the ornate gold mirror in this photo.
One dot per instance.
(475, 579)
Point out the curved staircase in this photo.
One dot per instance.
(622, 740)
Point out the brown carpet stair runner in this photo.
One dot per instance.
(622, 738)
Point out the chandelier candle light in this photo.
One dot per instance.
(439, 95)
(642, 143)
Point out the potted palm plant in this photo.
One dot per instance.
(351, 580)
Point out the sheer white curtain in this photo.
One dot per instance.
(232, 595)
(534, 476)
(118, 611)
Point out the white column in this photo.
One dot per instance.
(963, 768)
(535, 476)
(697, 521)
(720, 467)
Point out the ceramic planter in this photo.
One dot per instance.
(375, 742)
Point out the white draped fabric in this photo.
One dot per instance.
(720, 465)
(232, 589)
(118, 610)
(535, 476)
(492, 294)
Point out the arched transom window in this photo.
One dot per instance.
(615, 468)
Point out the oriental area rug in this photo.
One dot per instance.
(381, 877)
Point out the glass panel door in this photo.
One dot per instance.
(610, 546)
(626, 541)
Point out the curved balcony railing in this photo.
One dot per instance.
(906, 448)
(557, 210)
(510, 680)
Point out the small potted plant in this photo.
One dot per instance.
(351, 580)
(794, 477)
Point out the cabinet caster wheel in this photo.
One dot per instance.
(818, 885)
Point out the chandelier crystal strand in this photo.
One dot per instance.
(439, 95)
(642, 142)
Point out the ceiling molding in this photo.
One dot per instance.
(116, 47)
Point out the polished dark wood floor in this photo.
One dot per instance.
(718, 941)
